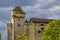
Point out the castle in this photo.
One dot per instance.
(32, 29)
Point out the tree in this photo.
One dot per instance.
(52, 31)
(0, 36)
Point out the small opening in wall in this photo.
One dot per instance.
(42, 28)
(39, 31)
(42, 24)
(18, 19)
(18, 25)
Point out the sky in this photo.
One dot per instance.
(33, 8)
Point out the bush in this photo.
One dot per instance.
(52, 31)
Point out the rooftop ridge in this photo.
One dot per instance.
(41, 20)
(18, 9)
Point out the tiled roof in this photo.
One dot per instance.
(18, 9)
(41, 20)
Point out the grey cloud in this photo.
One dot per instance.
(3, 31)
(4, 18)
(49, 3)
(10, 3)
(5, 14)
(41, 13)
(41, 9)
(4, 34)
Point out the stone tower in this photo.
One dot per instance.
(17, 23)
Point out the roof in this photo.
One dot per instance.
(41, 20)
(18, 9)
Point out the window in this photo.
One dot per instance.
(42, 28)
(39, 31)
(42, 24)
(18, 25)
(18, 19)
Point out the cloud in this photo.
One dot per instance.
(54, 17)
(3, 30)
(4, 19)
(55, 8)
(5, 13)
(45, 4)
(39, 10)
(10, 3)
(4, 34)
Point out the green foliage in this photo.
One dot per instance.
(21, 37)
(0, 36)
(52, 31)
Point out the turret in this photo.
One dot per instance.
(17, 20)
(18, 13)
